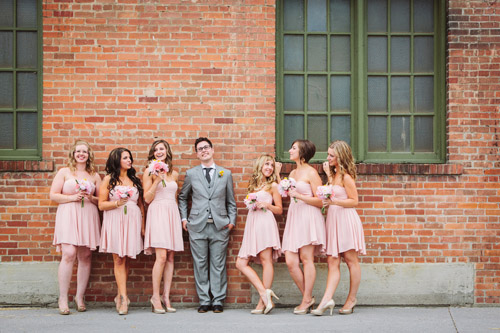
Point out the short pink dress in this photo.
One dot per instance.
(76, 225)
(305, 224)
(121, 233)
(261, 232)
(163, 223)
(344, 230)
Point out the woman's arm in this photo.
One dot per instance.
(352, 194)
(95, 198)
(104, 202)
(150, 182)
(57, 186)
(277, 208)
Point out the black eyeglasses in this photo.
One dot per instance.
(200, 149)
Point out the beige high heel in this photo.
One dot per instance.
(320, 311)
(298, 311)
(123, 312)
(348, 311)
(155, 310)
(270, 305)
(80, 308)
(257, 311)
(169, 309)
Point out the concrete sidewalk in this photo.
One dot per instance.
(364, 319)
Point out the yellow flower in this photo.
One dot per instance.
(221, 173)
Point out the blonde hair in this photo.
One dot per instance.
(258, 179)
(345, 160)
(89, 165)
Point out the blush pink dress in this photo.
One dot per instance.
(305, 224)
(121, 233)
(344, 230)
(163, 223)
(76, 225)
(261, 232)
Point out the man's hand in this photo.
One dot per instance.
(229, 226)
(184, 225)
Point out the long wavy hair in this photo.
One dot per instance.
(168, 158)
(113, 170)
(89, 165)
(345, 160)
(258, 179)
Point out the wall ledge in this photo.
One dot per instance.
(27, 166)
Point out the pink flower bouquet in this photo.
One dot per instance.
(157, 166)
(285, 186)
(251, 201)
(125, 194)
(84, 186)
(324, 192)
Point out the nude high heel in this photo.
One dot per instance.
(169, 309)
(348, 311)
(155, 310)
(320, 311)
(270, 304)
(123, 312)
(298, 311)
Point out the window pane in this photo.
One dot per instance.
(6, 100)
(5, 49)
(6, 130)
(424, 94)
(316, 53)
(294, 92)
(377, 134)
(400, 94)
(27, 48)
(316, 93)
(400, 15)
(400, 54)
(6, 13)
(340, 15)
(317, 131)
(294, 129)
(27, 130)
(377, 15)
(27, 92)
(293, 15)
(340, 87)
(377, 54)
(423, 16)
(294, 53)
(377, 94)
(341, 53)
(316, 15)
(26, 13)
(424, 54)
(400, 134)
(341, 128)
(423, 134)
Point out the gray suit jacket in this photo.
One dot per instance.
(216, 197)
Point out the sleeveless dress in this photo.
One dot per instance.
(305, 224)
(163, 222)
(121, 233)
(76, 225)
(344, 230)
(261, 232)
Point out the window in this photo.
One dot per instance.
(20, 79)
(370, 72)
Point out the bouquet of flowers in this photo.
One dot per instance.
(127, 193)
(285, 186)
(324, 192)
(84, 186)
(251, 201)
(156, 166)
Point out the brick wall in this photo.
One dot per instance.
(122, 73)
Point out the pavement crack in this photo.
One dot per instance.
(453, 320)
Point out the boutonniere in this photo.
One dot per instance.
(221, 173)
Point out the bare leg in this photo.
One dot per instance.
(242, 266)
(158, 267)
(84, 265)
(168, 275)
(266, 259)
(352, 261)
(306, 254)
(121, 274)
(332, 280)
(292, 261)
(64, 273)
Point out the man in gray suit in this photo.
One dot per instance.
(211, 218)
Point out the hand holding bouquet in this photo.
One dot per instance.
(324, 193)
(157, 166)
(84, 186)
(285, 186)
(251, 201)
(127, 193)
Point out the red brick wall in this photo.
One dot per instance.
(121, 73)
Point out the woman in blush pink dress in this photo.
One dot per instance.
(163, 234)
(261, 240)
(120, 198)
(344, 231)
(304, 235)
(77, 230)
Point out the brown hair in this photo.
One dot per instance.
(258, 179)
(89, 166)
(345, 160)
(168, 158)
(307, 149)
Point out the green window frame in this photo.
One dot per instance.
(21, 79)
(375, 80)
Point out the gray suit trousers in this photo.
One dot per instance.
(209, 249)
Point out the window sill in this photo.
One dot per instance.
(26, 166)
(393, 169)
